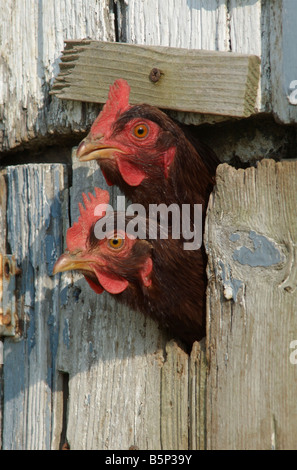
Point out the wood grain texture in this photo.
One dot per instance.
(217, 25)
(191, 80)
(34, 236)
(182, 23)
(3, 201)
(32, 38)
(33, 35)
(197, 396)
(174, 399)
(284, 60)
(250, 237)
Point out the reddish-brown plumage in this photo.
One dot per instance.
(160, 165)
(153, 276)
(149, 157)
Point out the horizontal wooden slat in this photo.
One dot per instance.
(210, 82)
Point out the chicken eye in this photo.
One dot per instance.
(115, 243)
(141, 131)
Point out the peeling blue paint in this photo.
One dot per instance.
(53, 336)
(265, 253)
(66, 334)
(234, 237)
(64, 295)
(50, 252)
(28, 290)
(76, 293)
(236, 285)
(56, 208)
(34, 245)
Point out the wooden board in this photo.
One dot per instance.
(32, 37)
(216, 25)
(283, 41)
(190, 80)
(198, 369)
(3, 201)
(35, 214)
(252, 302)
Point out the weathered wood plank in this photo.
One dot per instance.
(3, 202)
(32, 37)
(174, 400)
(34, 228)
(250, 237)
(191, 80)
(191, 24)
(248, 32)
(218, 25)
(283, 39)
(197, 397)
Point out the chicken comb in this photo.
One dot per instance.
(94, 209)
(117, 102)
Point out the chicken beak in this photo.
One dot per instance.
(68, 262)
(95, 149)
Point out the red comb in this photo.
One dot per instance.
(95, 208)
(117, 102)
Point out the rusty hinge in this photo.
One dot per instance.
(8, 304)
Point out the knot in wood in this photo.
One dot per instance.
(155, 75)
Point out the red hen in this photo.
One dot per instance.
(153, 276)
(141, 150)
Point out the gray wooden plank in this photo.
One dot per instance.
(175, 396)
(32, 37)
(210, 82)
(283, 52)
(34, 228)
(250, 237)
(3, 200)
(197, 396)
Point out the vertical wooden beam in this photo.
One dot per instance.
(283, 53)
(3, 202)
(197, 396)
(252, 302)
(34, 233)
(175, 396)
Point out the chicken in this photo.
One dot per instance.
(141, 150)
(154, 276)
(152, 160)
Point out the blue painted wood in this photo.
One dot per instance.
(35, 236)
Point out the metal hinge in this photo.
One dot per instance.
(8, 304)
